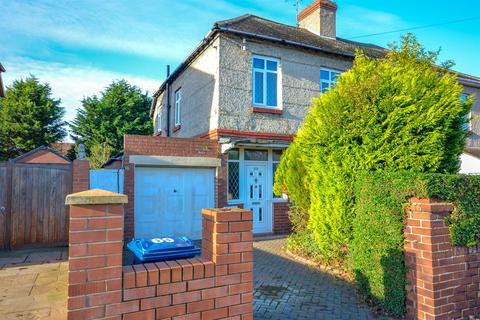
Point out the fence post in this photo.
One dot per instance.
(95, 252)
(8, 217)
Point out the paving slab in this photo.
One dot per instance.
(33, 284)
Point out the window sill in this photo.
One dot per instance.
(267, 110)
(158, 133)
(176, 128)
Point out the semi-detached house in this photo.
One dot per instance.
(247, 86)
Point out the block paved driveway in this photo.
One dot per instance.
(288, 289)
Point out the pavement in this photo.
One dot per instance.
(288, 289)
(33, 284)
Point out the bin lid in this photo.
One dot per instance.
(160, 245)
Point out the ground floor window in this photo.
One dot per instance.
(233, 183)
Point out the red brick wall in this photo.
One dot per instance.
(281, 222)
(94, 260)
(443, 280)
(219, 285)
(80, 175)
(165, 146)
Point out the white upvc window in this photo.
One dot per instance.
(178, 106)
(159, 119)
(328, 77)
(266, 82)
(468, 125)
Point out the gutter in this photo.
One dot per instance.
(469, 82)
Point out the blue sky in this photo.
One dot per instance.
(79, 47)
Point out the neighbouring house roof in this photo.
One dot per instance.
(113, 159)
(37, 155)
(252, 26)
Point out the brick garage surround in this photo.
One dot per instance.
(187, 147)
(443, 281)
(219, 285)
(168, 146)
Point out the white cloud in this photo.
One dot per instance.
(70, 83)
(159, 29)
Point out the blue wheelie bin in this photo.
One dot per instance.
(162, 249)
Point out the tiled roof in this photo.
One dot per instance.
(267, 29)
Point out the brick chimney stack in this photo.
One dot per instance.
(319, 17)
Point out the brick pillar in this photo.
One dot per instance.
(95, 252)
(80, 175)
(442, 280)
(227, 240)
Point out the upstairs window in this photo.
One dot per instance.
(178, 105)
(159, 119)
(328, 77)
(265, 82)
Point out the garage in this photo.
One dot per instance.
(169, 200)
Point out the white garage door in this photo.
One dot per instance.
(169, 201)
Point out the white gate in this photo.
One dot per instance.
(107, 179)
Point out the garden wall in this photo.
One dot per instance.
(443, 281)
(218, 285)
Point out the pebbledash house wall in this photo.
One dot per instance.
(199, 88)
(217, 90)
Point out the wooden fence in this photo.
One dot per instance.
(32, 204)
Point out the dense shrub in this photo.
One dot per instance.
(396, 113)
(377, 246)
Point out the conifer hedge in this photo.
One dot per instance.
(377, 255)
(396, 113)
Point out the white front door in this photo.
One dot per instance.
(256, 196)
(169, 201)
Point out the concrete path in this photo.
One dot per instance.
(288, 289)
(33, 284)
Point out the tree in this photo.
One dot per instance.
(99, 154)
(401, 112)
(121, 109)
(29, 118)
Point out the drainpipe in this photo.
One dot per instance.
(168, 101)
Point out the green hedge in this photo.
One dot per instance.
(396, 113)
(377, 258)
